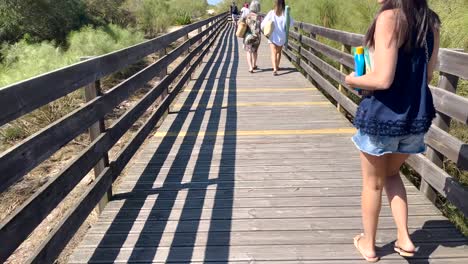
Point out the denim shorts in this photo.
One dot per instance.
(381, 145)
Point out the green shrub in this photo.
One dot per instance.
(23, 60)
(182, 18)
(152, 16)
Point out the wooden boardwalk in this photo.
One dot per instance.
(251, 168)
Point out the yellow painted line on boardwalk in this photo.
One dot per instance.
(255, 104)
(255, 90)
(325, 131)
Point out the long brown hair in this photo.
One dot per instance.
(280, 6)
(414, 19)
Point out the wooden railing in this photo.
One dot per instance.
(24, 97)
(310, 55)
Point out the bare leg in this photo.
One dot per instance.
(249, 61)
(273, 57)
(278, 56)
(373, 173)
(396, 193)
(255, 57)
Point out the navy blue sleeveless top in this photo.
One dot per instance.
(406, 108)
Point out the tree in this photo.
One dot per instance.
(40, 19)
(105, 12)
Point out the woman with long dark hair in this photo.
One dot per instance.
(279, 35)
(393, 119)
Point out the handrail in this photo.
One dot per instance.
(22, 158)
(311, 55)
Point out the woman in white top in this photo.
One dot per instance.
(245, 10)
(279, 35)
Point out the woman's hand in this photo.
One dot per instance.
(349, 79)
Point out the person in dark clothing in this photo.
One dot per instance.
(234, 13)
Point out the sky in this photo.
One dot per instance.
(213, 2)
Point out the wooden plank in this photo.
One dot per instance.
(329, 70)
(341, 261)
(350, 39)
(19, 160)
(238, 225)
(247, 202)
(334, 54)
(450, 104)
(140, 185)
(344, 101)
(441, 181)
(295, 35)
(260, 252)
(156, 215)
(454, 62)
(449, 146)
(252, 238)
(264, 193)
(16, 100)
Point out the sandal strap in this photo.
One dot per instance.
(356, 239)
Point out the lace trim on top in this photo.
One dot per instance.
(374, 126)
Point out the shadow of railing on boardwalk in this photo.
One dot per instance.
(151, 234)
(427, 243)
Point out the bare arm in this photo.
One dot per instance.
(435, 55)
(385, 56)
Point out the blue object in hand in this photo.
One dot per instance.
(359, 64)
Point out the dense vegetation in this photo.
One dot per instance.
(41, 35)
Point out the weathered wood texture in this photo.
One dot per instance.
(16, 227)
(452, 65)
(251, 168)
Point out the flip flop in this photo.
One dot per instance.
(356, 244)
(403, 252)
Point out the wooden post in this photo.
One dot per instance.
(92, 91)
(341, 88)
(186, 38)
(314, 37)
(449, 83)
(199, 31)
(163, 73)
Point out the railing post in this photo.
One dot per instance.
(341, 88)
(449, 83)
(310, 49)
(162, 74)
(199, 31)
(92, 91)
(162, 52)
